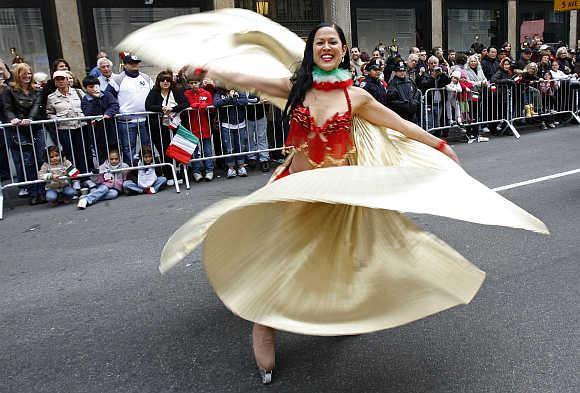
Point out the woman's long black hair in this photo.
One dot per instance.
(302, 78)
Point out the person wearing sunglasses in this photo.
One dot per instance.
(168, 100)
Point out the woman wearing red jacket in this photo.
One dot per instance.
(199, 100)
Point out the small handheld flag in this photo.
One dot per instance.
(182, 145)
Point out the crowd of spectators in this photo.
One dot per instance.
(471, 86)
(435, 89)
(47, 135)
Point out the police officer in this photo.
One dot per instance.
(372, 82)
(403, 96)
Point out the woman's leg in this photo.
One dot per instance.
(264, 345)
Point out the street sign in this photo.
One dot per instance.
(566, 5)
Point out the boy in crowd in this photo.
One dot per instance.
(100, 103)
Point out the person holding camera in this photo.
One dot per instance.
(433, 78)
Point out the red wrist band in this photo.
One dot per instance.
(441, 145)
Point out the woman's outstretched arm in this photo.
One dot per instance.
(273, 87)
(365, 106)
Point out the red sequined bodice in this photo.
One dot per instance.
(326, 145)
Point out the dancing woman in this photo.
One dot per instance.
(336, 256)
(321, 105)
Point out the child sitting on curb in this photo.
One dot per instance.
(109, 184)
(56, 170)
(147, 180)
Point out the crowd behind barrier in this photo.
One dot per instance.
(82, 151)
(30, 149)
(129, 134)
(499, 109)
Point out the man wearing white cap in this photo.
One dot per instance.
(131, 88)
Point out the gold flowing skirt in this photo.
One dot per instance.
(329, 252)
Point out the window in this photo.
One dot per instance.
(22, 29)
(463, 25)
(299, 16)
(555, 23)
(385, 24)
(114, 24)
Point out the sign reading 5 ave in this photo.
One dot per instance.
(566, 5)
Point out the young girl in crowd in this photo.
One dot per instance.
(109, 184)
(548, 87)
(56, 170)
(452, 104)
(465, 97)
(147, 180)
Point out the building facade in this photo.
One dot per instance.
(43, 30)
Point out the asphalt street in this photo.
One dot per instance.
(83, 307)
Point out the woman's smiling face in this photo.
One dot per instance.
(328, 50)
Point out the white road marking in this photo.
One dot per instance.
(537, 180)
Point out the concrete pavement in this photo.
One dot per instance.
(83, 307)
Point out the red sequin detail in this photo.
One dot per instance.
(331, 142)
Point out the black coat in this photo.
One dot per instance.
(522, 63)
(563, 63)
(502, 78)
(154, 101)
(18, 105)
(404, 98)
(504, 83)
(376, 89)
(489, 67)
(426, 81)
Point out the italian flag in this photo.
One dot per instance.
(72, 171)
(182, 145)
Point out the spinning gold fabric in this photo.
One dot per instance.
(334, 254)
(328, 252)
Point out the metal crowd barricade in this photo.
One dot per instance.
(263, 133)
(253, 131)
(26, 148)
(544, 101)
(485, 106)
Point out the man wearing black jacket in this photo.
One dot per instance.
(525, 59)
(490, 64)
(403, 96)
(372, 82)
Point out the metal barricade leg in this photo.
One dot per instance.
(1, 202)
(185, 176)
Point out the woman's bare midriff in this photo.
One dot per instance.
(300, 163)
